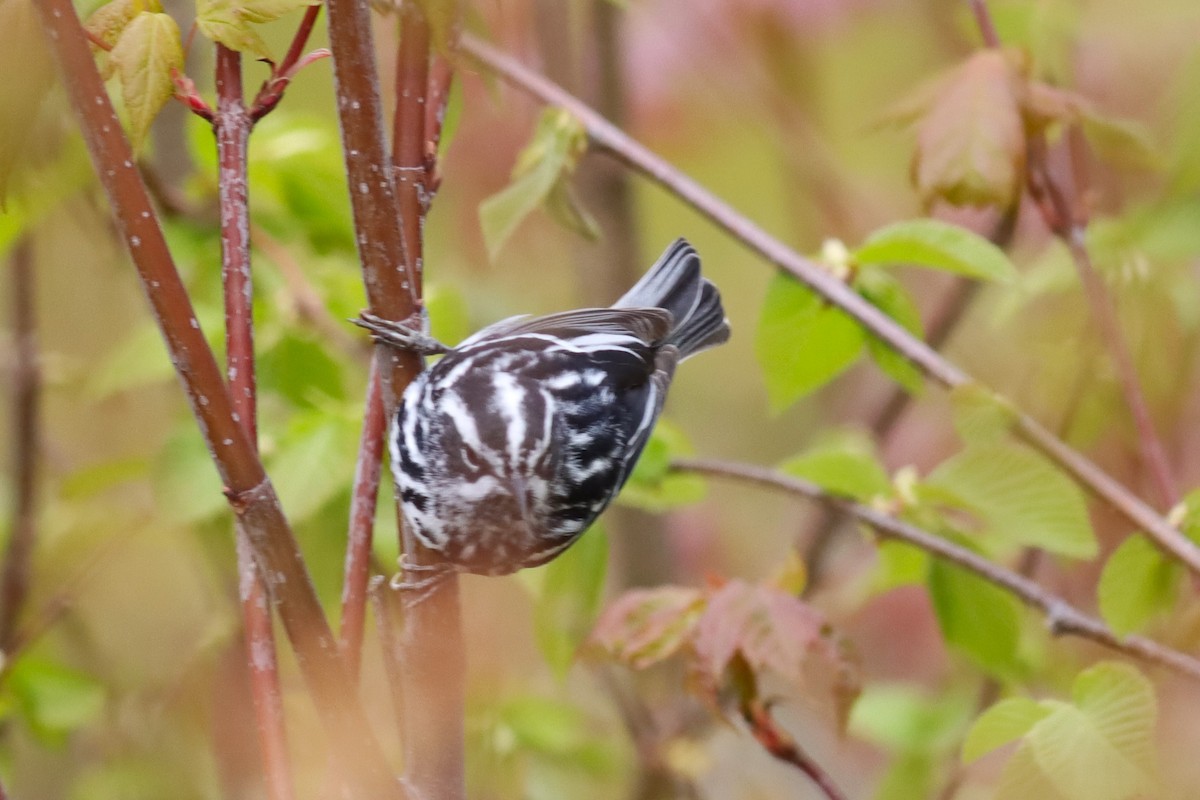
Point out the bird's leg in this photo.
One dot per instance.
(419, 590)
(403, 335)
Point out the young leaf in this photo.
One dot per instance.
(549, 158)
(977, 618)
(1005, 722)
(971, 141)
(893, 299)
(1138, 582)
(938, 245)
(843, 469)
(108, 21)
(802, 342)
(646, 626)
(1020, 496)
(980, 416)
(270, 10)
(144, 56)
(570, 594)
(223, 22)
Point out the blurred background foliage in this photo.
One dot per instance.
(133, 685)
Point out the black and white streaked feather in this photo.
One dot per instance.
(509, 447)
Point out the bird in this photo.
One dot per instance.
(506, 449)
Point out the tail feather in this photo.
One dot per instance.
(675, 284)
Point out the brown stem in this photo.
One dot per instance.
(231, 126)
(26, 428)
(434, 661)
(363, 500)
(983, 19)
(780, 744)
(390, 249)
(250, 492)
(935, 367)
(1062, 618)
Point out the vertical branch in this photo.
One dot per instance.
(434, 665)
(232, 128)
(26, 429)
(250, 493)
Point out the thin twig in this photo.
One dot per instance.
(250, 493)
(1062, 619)
(26, 453)
(780, 744)
(936, 367)
(363, 499)
(1065, 213)
(231, 126)
(271, 92)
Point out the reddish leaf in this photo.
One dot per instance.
(645, 626)
(971, 142)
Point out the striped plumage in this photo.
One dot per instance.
(511, 445)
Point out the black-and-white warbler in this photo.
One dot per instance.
(512, 444)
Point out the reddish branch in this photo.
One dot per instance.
(935, 366)
(26, 453)
(250, 493)
(1062, 618)
(363, 500)
(231, 126)
(1063, 209)
(780, 744)
(388, 226)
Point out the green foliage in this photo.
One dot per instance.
(980, 416)
(1018, 496)
(652, 485)
(1137, 584)
(844, 465)
(229, 22)
(541, 177)
(1099, 746)
(937, 245)
(977, 618)
(884, 291)
(145, 55)
(802, 342)
(54, 700)
(567, 598)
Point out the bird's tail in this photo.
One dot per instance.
(675, 283)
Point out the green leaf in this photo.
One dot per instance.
(841, 467)
(1019, 496)
(564, 207)
(939, 245)
(443, 17)
(223, 22)
(1003, 723)
(652, 486)
(550, 157)
(53, 699)
(980, 415)
(314, 463)
(904, 719)
(1101, 747)
(300, 369)
(1138, 582)
(890, 296)
(899, 564)
(187, 488)
(802, 342)
(910, 776)
(571, 588)
(977, 618)
(270, 10)
(147, 51)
